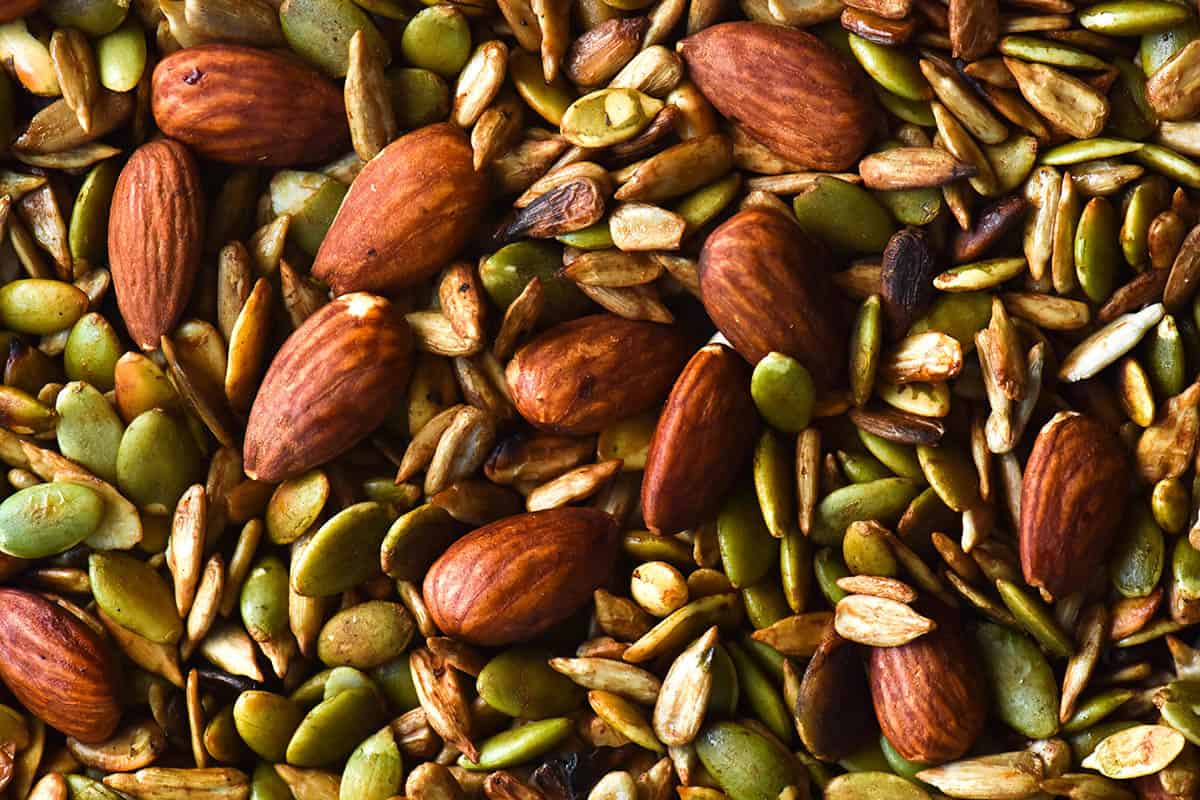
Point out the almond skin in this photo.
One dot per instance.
(787, 89)
(333, 382)
(929, 695)
(583, 375)
(242, 105)
(1073, 498)
(758, 259)
(407, 215)
(703, 437)
(155, 238)
(515, 578)
(58, 667)
(15, 9)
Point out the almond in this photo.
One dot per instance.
(155, 238)
(58, 667)
(407, 215)
(247, 106)
(515, 578)
(756, 260)
(929, 694)
(705, 433)
(1073, 497)
(583, 375)
(787, 89)
(333, 382)
(15, 9)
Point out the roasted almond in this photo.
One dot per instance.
(703, 437)
(583, 375)
(407, 214)
(248, 106)
(1073, 496)
(787, 89)
(58, 667)
(515, 578)
(759, 259)
(332, 383)
(155, 237)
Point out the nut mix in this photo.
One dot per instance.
(608, 399)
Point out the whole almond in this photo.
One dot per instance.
(58, 667)
(333, 382)
(242, 105)
(929, 694)
(408, 213)
(515, 578)
(583, 375)
(155, 238)
(787, 89)
(759, 260)
(1073, 497)
(705, 433)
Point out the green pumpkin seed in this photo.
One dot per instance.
(157, 460)
(744, 763)
(1137, 558)
(266, 722)
(550, 100)
(608, 117)
(1157, 48)
(121, 57)
(1035, 618)
(264, 600)
(89, 430)
(333, 728)
(1012, 160)
(1171, 164)
(344, 679)
(85, 788)
(1031, 48)
(748, 551)
(1165, 358)
(765, 603)
(92, 351)
(1024, 690)
(867, 785)
(699, 207)
(1148, 197)
(961, 315)
(1088, 150)
(87, 235)
(1185, 572)
(375, 769)
(40, 306)
(1096, 708)
(416, 539)
(866, 552)
(520, 683)
(795, 568)
(1133, 17)
(723, 700)
(597, 236)
(437, 39)
(48, 519)
(1169, 505)
(519, 745)
(899, 764)
(891, 68)
(311, 201)
(915, 112)
(883, 500)
(628, 440)
(783, 392)
(1096, 253)
(419, 97)
(365, 635)
(951, 474)
(1131, 115)
(759, 693)
(93, 17)
(862, 468)
(823, 206)
(828, 567)
(135, 596)
(774, 483)
(343, 551)
(320, 31)
(265, 784)
(647, 546)
(866, 341)
(901, 459)
(395, 680)
(507, 272)
(295, 506)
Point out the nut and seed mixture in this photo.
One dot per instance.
(600, 399)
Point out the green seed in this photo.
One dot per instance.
(266, 722)
(416, 539)
(333, 728)
(311, 200)
(374, 771)
(395, 680)
(1169, 503)
(697, 208)
(121, 58)
(93, 17)
(867, 553)
(828, 567)
(48, 519)
(1031, 48)
(760, 694)
(765, 603)
(265, 784)
(1024, 690)
(862, 468)
(264, 600)
(744, 763)
(915, 112)
(344, 679)
(343, 552)
(87, 235)
(295, 505)
(901, 459)
(1096, 708)
(519, 745)
(748, 551)
(899, 764)
(320, 31)
(607, 117)
(89, 430)
(40, 306)
(506, 273)
(1089, 150)
(437, 39)
(92, 351)
(723, 700)
(420, 97)
(958, 315)
(1165, 358)
(1131, 116)
(1036, 618)
(1171, 164)
(784, 392)
(1012, 160)
(1133, 17)
(520, 683)
(882, 500)
(1148, 197)
(1096, 253)
(774, 483)
(1136, 561)
(135, 596)
(157, 460)
(867, 785)
(550, 100)
(795, 568)
(365, 635)
(892, 69)
(822, 208)
(1185, 572)
(866, 340)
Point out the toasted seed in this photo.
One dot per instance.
(1136, 751)
(684, 695)
(1062, 99)
(1109, 343)
(879, 621)
(974, 115)
(912, 168)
